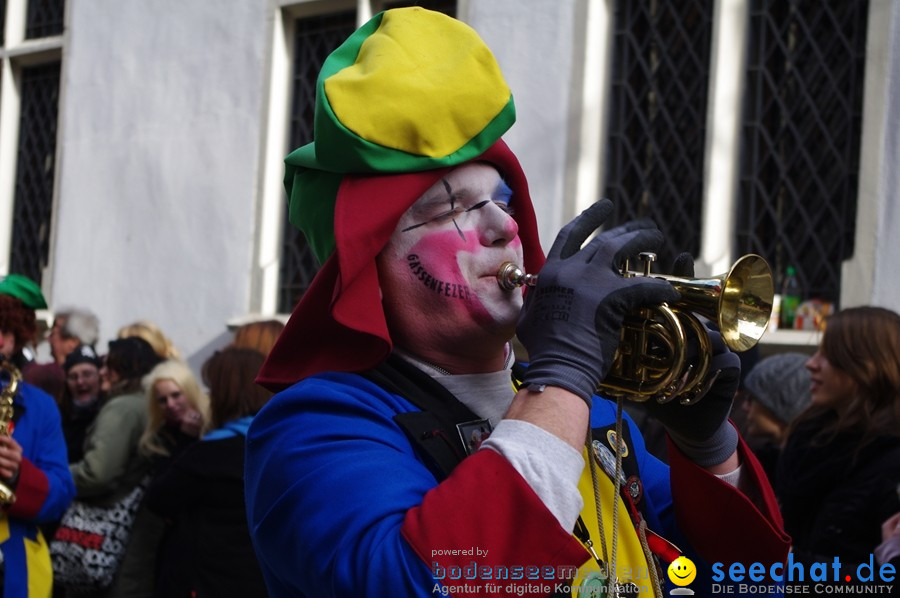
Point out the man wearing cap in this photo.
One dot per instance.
(369, 473)
(82, 399)
(32, 457)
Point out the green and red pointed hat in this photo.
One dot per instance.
(409, 96)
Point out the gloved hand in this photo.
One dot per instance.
(571, 321)
(701, 430)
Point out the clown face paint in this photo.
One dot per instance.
(438, 271)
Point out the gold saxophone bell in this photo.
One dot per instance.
(12, 377)
(651, 361)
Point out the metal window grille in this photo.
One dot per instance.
(315, 38)
(35, 170)
(44, 18)
(657, 120)
(801, 138)
(2, 23)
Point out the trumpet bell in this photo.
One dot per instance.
(739, 302)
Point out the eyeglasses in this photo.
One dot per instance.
(86, 376)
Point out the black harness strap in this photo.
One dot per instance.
(432, 431)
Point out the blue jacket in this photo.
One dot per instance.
(43, 492)
(340, 503)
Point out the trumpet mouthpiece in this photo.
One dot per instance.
(510, 277)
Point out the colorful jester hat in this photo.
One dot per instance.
(409, 96)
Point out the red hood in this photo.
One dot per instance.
(339, 323)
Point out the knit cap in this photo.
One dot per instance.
(81, 354)
(780, 383)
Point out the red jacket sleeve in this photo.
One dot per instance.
(494, 529)
(31, 491)
(722, 523)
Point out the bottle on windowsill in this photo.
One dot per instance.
(790, 299)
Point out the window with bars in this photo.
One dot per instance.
(44, 18)
(657, 130)
(801, 138)
(315, 38)
(2, 23)
(35, 170)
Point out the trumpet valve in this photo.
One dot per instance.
(647, 258)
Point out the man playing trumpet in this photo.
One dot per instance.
(398, 458)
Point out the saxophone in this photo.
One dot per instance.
(11, 378)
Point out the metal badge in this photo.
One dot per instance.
(607, 460)
(473, 433)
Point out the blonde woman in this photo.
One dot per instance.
(177, 409)
(177, 412)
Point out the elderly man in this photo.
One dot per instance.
(72, 327)
(398, 458)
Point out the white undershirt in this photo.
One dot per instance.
(549, 465)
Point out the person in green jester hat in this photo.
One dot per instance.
(35, 484)
(360, 480)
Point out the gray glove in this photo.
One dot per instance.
(701, 430)
(571, 321)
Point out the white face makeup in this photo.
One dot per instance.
(438, 271)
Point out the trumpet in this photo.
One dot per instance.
(652, 360)
(12, 378)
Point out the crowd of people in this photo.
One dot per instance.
(406, 443)
(93, 425)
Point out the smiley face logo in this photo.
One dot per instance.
(682, 571)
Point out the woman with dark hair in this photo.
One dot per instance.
(207, 549)
(112, 465)
(838, 474)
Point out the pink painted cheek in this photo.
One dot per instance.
(436, 265)
(439, 251)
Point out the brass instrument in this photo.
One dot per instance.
(11, 380)
(652, 361)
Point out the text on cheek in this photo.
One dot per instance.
(447, 289)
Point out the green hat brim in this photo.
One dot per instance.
(24, 289)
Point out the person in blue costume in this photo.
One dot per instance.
(405, 454)
(33, 461)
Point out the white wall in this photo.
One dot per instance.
(159, 145)
(534, 50)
